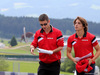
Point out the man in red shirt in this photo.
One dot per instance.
(83, 43)
(50, 42)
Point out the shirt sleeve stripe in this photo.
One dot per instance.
(94, 40)
(60, 37)
(73, 42)
(39, 37)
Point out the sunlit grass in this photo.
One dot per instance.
(19, 51)
(27, 66)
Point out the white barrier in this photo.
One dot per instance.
(16, 73)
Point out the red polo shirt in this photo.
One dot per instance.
(50, 41)
(82, 46)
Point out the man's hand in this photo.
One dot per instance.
(32, 51)
(90, 61)
(74, 60)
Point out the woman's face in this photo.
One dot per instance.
(78, 25)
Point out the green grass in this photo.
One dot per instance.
(5, 41)
(18, 51)
(23, 50)
(15, 51)
(26, 66)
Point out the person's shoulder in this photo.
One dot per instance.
(73, 35)
(55, 29)
(71, 38)
(90, 34)
(38, 30)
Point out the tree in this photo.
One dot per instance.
(13, 41)
(98, 62)
(68, 66)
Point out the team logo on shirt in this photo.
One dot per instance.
(49, 38)
(84, 39)
(42, 35)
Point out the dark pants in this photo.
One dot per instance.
(90, 73)
(49, 69)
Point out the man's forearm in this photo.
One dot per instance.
(97, 54)
(57, 49)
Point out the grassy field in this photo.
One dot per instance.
(26, 66)
(17, 50)
(24, 50)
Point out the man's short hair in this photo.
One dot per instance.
(43, 17)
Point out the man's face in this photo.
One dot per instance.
(45, 24)
(78, 25)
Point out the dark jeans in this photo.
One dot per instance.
(49, 69)
(90, 73)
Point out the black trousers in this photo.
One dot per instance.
(90, 73)
(49, 69)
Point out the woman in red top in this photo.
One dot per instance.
(83, 43)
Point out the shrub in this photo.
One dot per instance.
(3, 64)
(98, 62)
(68, 66)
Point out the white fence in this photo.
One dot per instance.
(16, 73)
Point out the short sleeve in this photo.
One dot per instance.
(69, 43)
(60, 39)
(94, 41)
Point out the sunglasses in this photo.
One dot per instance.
(43, 24)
